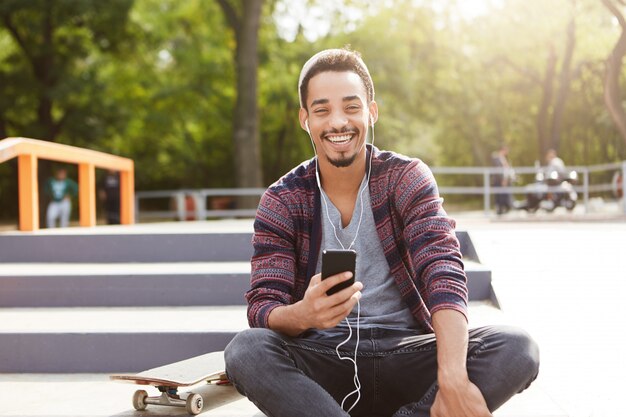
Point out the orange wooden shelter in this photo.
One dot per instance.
(29, 151)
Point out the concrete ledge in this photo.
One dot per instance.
(102, 248)
(91, 340)
(111, 339)
(479, 282)
(156, 246)
(103, 352)
(151, 284)
(118, 285)
(122, 320)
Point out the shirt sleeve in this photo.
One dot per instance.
(273, 262)
(431, 241)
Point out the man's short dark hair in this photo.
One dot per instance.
(336, 60)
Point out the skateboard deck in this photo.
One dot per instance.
(168, 378)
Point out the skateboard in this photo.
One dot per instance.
(169, 378)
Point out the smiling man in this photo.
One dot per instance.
(404, 320)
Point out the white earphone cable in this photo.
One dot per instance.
(357, 382)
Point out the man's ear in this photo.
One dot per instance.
(303, 115)
(373, 109)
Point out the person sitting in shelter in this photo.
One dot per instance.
(110, 195)
(60, 190)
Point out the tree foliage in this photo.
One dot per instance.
(50, 67)
(159, 81)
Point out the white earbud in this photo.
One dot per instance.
(306, 124)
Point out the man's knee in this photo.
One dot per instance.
(246, 350)
(512, 349)
(531, 357)
(521, 352)
(524, 349)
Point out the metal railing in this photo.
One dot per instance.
(487, 190)
(192, 203)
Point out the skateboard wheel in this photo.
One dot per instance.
(139, 400)
(194, 404)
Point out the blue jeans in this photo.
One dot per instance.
(303, 376)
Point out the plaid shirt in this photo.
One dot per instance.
(417, 237)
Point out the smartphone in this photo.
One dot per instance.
(335, 262)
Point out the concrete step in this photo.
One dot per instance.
(92, 394)
(102, 248)
(124, 284)
(150, 284)
(91, 340)
(217, 241)
(479, 282)
(61, 340)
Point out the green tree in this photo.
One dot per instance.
(50, 70)
(50, 75)
(612, 93)
(243, 17)
(176, 93)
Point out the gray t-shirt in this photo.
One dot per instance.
(381, 303)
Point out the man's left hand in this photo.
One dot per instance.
(464, 399)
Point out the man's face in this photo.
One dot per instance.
(61, 175)
(338, 116)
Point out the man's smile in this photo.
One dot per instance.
(342, 138)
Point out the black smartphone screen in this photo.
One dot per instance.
(335, 262)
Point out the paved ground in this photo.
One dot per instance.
(96, 396)
(563, 281)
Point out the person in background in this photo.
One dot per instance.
(554, 163)
(504, 178)
(60, 189)
(109, 194)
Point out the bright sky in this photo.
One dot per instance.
(470, 9)
(289, 14)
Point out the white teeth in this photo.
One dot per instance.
(339, 139)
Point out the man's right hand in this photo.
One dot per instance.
(317, 309)
(325, 311)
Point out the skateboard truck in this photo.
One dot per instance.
(169, 397)
(169, 378)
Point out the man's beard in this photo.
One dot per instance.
(342, 162)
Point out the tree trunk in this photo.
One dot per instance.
(246, 123)
(43, 68)
(245, 25)
(44, 73)
(565, 79)
(543, 117)
(612, 97)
